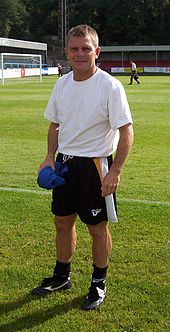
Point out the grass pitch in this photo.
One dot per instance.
(137, 297)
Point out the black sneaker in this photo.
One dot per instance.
(49, 285)
(95, 296)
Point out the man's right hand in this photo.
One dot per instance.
(48, 161)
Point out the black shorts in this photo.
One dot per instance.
(81, 193)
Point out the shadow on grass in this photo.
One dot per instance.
(37, 317)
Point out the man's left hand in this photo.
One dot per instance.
(110, 184)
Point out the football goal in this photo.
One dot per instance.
(20, 67)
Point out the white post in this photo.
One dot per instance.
(2, 66)
(40, 68)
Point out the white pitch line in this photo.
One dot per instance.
(29, 191)
(143, 201)
(45, 192)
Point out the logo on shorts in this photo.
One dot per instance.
(95, 212)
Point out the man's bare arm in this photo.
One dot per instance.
(52, 146)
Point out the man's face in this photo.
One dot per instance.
(81, 54)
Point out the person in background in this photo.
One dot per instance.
(90, 120)
(134, 75)
(59, 69)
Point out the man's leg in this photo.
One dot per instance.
(131, 79)
(136, 79)
(65, 237)
(65, 246)
(102, 244)
(101, 248)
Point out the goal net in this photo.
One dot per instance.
(20, 67)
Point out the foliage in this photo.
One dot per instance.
(13, 19)
(43, 18)
(139, 22)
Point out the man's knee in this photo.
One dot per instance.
(98, 230)
(65, 223)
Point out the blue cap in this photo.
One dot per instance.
(48, 179)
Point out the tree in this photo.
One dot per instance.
(13, 18)
(117, 22)
(164, 38)
(43, 18)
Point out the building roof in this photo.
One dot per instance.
(135, 48)
(22, 44)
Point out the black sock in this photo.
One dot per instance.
(62, 270)
(99, 274)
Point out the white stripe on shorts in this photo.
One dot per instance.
(110, 206)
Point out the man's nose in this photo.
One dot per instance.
(80, 52)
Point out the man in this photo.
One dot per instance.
(90, 119)
(134, 74)
(59, 69)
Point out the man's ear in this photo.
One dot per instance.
(98, 49)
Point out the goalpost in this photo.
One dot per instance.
(20, 66)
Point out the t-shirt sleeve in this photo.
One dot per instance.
(119, 111)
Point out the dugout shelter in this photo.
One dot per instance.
(8, 45)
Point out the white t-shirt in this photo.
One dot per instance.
(133, 66)
(89, 113)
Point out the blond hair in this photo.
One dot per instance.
(83, 30)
